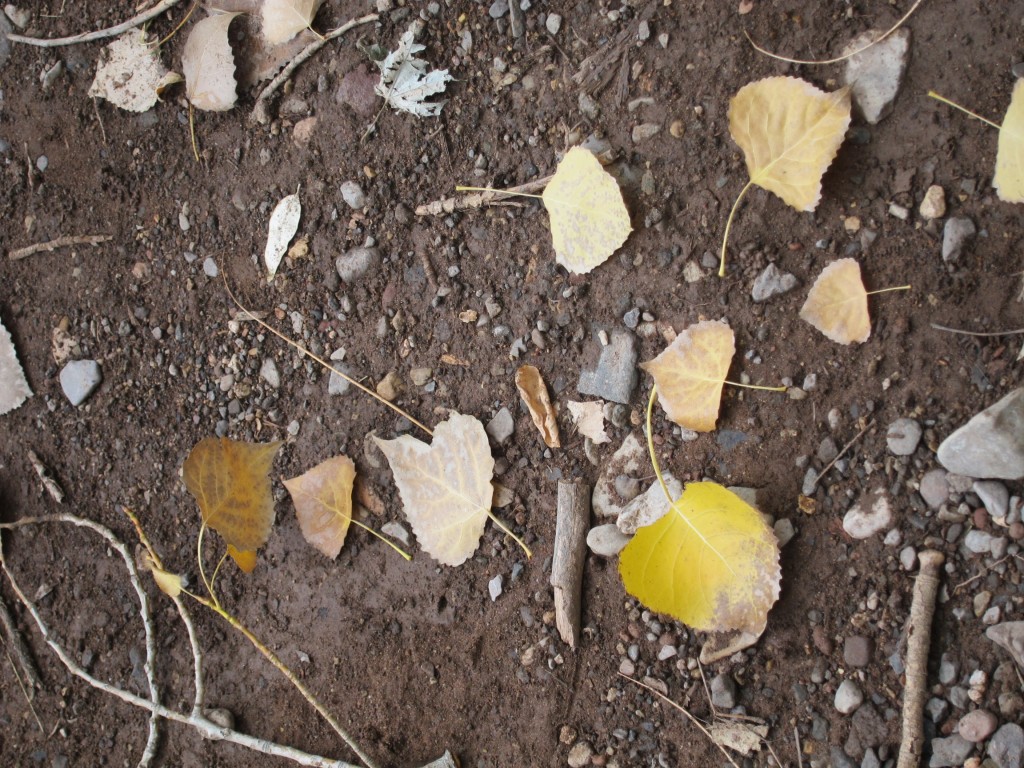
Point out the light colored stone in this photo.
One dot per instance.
(871, 514)
(875, 74)
(956, 235)
(772, 282)
(903, 437)
(949, 752)
(390, 387)
(934, 489)
(501, 427)
(494, 587)
(784, 531)
(990, 445)
(396, 531)
(79, 379)
(606, 540)
(357, 263)
(553, 23)
(650, 506)
(1006, 748)
(627, 460)
(849, 696)
(269, 373)
(14, 388)
(614, 377)
(1010, 636)
(580, 754)
(353, 195)
(933, 206)
(994, 496)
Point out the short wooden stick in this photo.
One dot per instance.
(571, 524)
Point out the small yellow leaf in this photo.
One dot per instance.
(690, 373)
(229, 480)
(534, 392)
(712, 562)
(790, 132)
(589, 220)
(837, 304)
(169, 583)
(323, 503)
(1009, 178)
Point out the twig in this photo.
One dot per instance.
(975, 577)
(571, 524)
(100, 34)
(839, 455)
(1014, 332)
(28, 693)
(479, 199)
(259, 112)
(919, 635)
(60, 242)
(48, 482)
(17, 644)
(799, 755)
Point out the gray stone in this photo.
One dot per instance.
(553, 23)
(810, 481)
(956, 235)
(990, 445)
(627, 460)
(934, 489)
(870, 514)
(839, 759)
(645, 131)
(950, 752)
(784, 531)
(772, 282)
(849, 696)
(494, 587)
(396, 531)
(903, 436)
(857, 650)
(1006, 748)
(14, 388)
(994, 496)
(728, 439)
(269, 373)
(501, 427)
(978, 542)
(977, 725)
(580, 754)
(355, 264)
(79, 379)
(614, 378)
(869, 728)
(339, 385)
(356, 89)
(723, 691)
(210, 267)
(649, 507)
(947, 670)
(498, 9)
(353, 195)
(870, 760)
(1010, 636)
(606, 540)
(908, 558)
(875, 74)
(936, 709)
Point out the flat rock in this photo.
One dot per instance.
(934, 489)
(269, 373)
(614, 378)
(977, 725)
(1010, 636)
(627, 460)
(1006, 748)
(723, 691)
(950, 752)
(501, 427)
(649, 507)
(772, 282)
(353, 195)
(870, 514)
(990, 445)
(903, 436)
(14, 388)
(875, 75)
(606, 540)
(994, 496)
(355, 264)
(857, 650)
(339, 385)
(956, 235)
(79, 379)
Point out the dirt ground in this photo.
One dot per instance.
(414, 658)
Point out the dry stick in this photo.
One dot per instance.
(993, 334)
(60, 242)
(17, 643)
(28, 693)
(571, 524)
(259, 112)
(799, 756)
(846, 447)
(479, 199)
(100, 34)
(919, 635)
(48, 482)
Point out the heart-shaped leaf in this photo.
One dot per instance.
(323, 503)
(837, 304)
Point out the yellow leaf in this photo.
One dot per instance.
(229, 481)
(323, 503)
(589, 220)
(1009, 178)
(790, 132)
(690, 372)
(712, 562)
(534, 392)
(169, 583)
(445, 487)
(837, 304)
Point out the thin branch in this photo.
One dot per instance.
(993, 334)
(479, 199)
(839, 455)
(28, 693)
(17, 645)
(799, 755)
(51, 485)
(100, 34)
(60, 242)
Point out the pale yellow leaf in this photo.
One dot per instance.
(283, 19)
(589, 220)
(690, 374)
(589, 418)
(209, 64)
(837, 304)
(534, 392)
(323, 503)
(169, 583)
(445, 487)
(1009, 178)
(129, 73)
(790, 132)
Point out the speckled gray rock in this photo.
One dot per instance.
(501, 426)
(956, 235)
(934, 489)
(870, 514)
(849, 696)
(1006, 747)
(79, 379)
(990, 445)
(875, 74)
(615, 376)
(949, 752)
(1010, 636)
(903, 436)
(772, 282)
(606, 540)
(355, 264)
(723, 691)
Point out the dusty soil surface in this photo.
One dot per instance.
(416, 658)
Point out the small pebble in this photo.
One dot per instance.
(79, 379)
(553, 23)
(848, 697)
(494, 587)
(933, 206)
(903, 436)
(353, 195)
(723, 691)
(857, 650)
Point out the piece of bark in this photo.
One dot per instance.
(571, 524)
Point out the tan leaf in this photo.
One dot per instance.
(209, 64)
(589, 220)
(323, 503)
(589, 418)
(1009, 178)
(837, 304)
(690, 374)
(230, 481)
(284, 19)
(169, 583)
(534, 392)
(445, 487)
(129, 73)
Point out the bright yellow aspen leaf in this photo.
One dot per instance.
(169, 583)
(534, 392)
(1009, 178)
(589, 220)
(690, 374)
(229, 480)
(323, 503)
(837, 304)
(712, 562)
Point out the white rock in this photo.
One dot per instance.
(353, 195)
(908, 558)
(994, 496)
(606, 540)
(396, 531)
(627, 460)
(501, 426)
(978, 542)
(494, 587)
(876, 74)
(933, 206)
(903, 436)
(79, 379)
(871, 514)
(14, 388)
(269, 373)
(848, 697)
(990, 445)
(649, 507)
(553, 23)
(784, 531)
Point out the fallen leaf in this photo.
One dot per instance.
(740, 737)
(229, 480)
(323, 503)
(534, 392)
(405, 83)
(589, 220)
(453, 360)
(445, 487)
(284, 19)
(209, 64)
(169, 583)
(14, 389)
(284, 222)
(589, 418)
(837, 304)
(712, 562)
(129, 74)
(690, 374)
(1009, 178)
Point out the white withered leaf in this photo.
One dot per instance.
(406, 84)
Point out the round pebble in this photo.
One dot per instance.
(903, 436)
(977, 725)
(934, 489)
(857, 650)
(848, 697)
(580, 754)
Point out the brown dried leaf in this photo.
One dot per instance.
(589, 418)
(323, 503)
(534, 392)
(837, 304)
(209, 64)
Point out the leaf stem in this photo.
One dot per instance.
(650, 446)
(497, 191)
(753, 386)
(509, 533)
(728, 225)
(975, 115)
(386, 540)
(886, 290)
(202, 571)
(192, 130)
(179, 25)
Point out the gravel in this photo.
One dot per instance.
(494, 587)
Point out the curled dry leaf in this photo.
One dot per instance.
(690, 374)
(284, 19)
(284, 222)
(406, 84)
(589, 418)
(1009, 178)
(169, 583)
(741, 737)
(534, 392)
(323, 503)
(589, 220)
(209, 64)
(445, 487)
(130, 74)
(229, 480)
(712, 562)
(837, 304)
(14, 389)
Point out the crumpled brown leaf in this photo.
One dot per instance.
(534, 392)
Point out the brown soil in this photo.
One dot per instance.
(412, 657)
